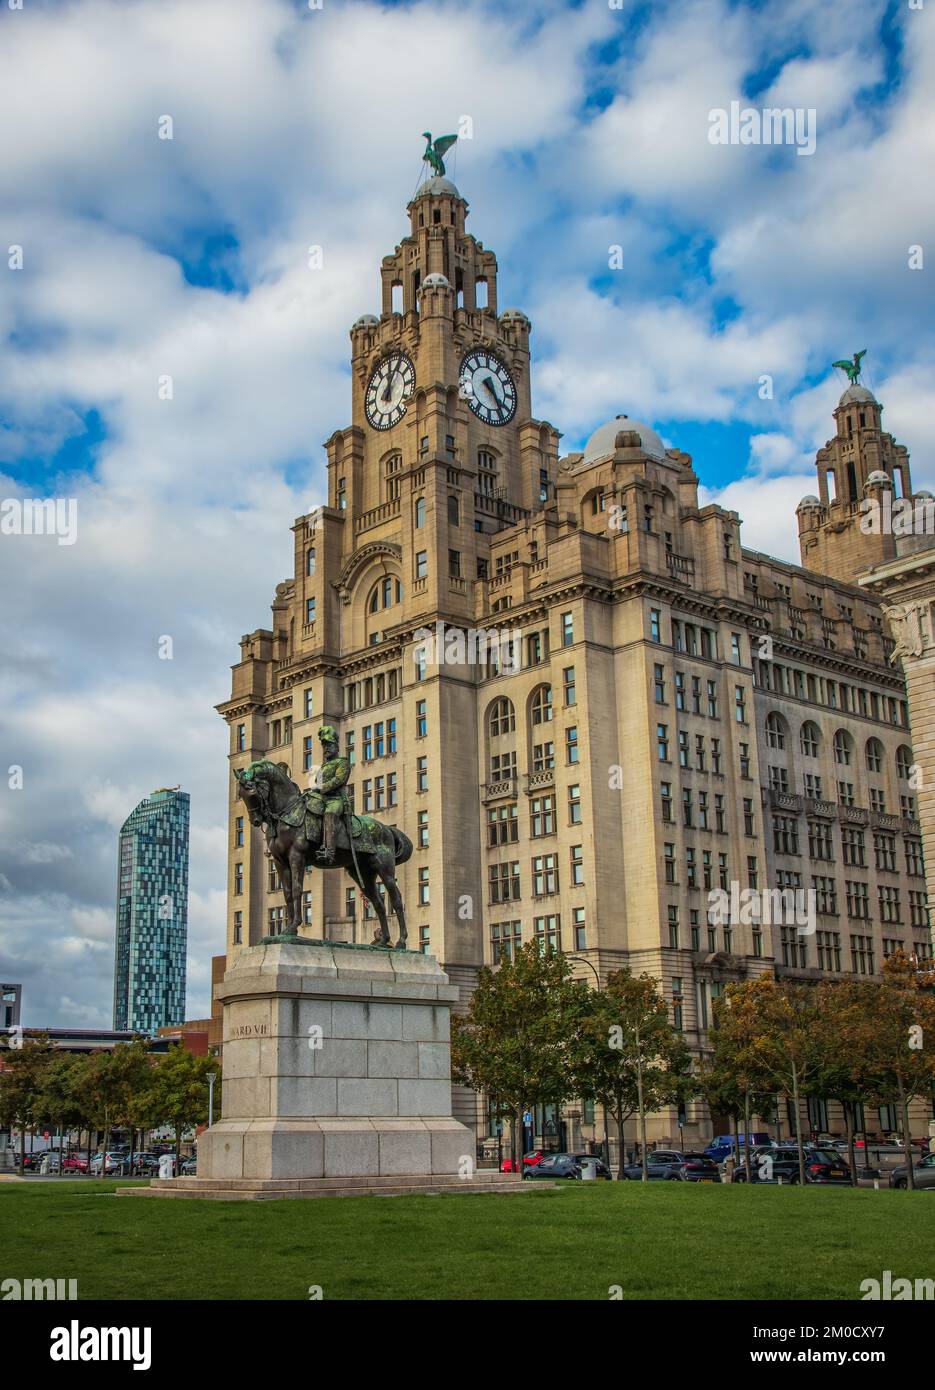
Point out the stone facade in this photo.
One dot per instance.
(676, 713)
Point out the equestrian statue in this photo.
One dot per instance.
(319, 826)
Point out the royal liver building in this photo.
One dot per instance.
(643, 714)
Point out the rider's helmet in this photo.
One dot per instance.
(327, 734)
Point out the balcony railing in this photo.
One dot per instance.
(383, 512)
(497, 791)
(543, 778)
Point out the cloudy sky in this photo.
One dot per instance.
(145, 258)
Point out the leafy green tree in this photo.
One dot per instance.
(58, 1102)
(901, 1046)
(22, 1080)
(628, 1055)
(176, 1093)
(742, 1085)
(116, 1081)
(845, 1027)
(518, 1040)
(778, 1020)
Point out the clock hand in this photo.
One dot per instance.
(490, 383)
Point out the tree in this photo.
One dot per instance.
(628, 1055)
(845, 1029)
(737, 1076)
(780, 1021)
(116, 1081)
(517, 1040)
(176, 1091)
(21, 1085)
(902, 1042)
(58, 1102)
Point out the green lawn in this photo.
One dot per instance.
(665, 1240)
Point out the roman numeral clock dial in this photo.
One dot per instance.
(485, 383)
(388, 390)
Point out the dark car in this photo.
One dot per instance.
(661, 1164)
(602, 1170)
(826, 1166)
(145, 1162)
(923, 1173)
(189, 1166)
(769, 1165)
(561, 1165)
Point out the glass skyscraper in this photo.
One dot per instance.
(152, 914)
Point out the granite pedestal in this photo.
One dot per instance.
(336, 1064)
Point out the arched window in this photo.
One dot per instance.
(775, 731)
(541, 705)
(809, 739)
(874, 754)
(385, 593)
(843, 747)
(454, 511)
(903, 762)
(502, 717)
(310, 560)
(392, 471)
(420, 512)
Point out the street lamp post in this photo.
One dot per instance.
(212, 1077)
(583, 960)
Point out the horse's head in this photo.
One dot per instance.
(263, 787)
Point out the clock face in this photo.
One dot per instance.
(487, 387)
(388, 391)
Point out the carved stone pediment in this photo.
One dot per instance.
(359, 561)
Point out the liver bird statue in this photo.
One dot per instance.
(435, 150)
(852, 368)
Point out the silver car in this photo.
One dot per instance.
(923, 1173)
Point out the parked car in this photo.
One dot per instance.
(145, 1163)
(31, 1161)
(769, 1165)
(563, 1165)
(75, 1163)
(673, 1166)
(529, 1161)
(826, 1166)
(115, 1162)
(923, 1173)
(189, 1166)
(723, 1145)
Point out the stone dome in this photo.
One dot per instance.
(878, 478)
(513, 316)
(435, 281)
(809, 500)
(602, 440)
(434, 188)
(366, 321)
(926, 496)
(857, 395)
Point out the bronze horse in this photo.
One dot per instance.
(293, 835)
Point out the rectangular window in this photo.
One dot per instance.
(238, 879)
(740, 704)
(502, 825)
(423, 898)
(240, 743)
(541, 816)
(568, 685)
(654, 627)
(548, 933)
(568, 629)
(422, 564)
(238, 831)
(504, 882)
(574, 805)
(544, 875)
(578, 926)
(421, 718)
(505, 940)
(422, 829)
(309, 610)
(662, 742)
(577, 864)
(422, 774)
(673, 927)
(238, 928)
(571, 745)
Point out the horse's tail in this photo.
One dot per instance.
(403, 845)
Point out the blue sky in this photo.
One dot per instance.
(146, 258)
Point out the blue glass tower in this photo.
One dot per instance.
(152, 914)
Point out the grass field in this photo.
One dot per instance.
(665, 1240)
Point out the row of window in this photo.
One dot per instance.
(506, 938)
(503, 821)
(821, 844)
(699, 750)
(504, 879)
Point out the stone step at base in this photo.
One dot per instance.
(252, 1190)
